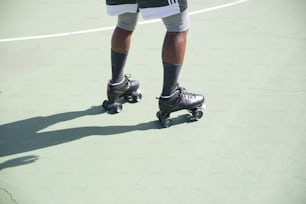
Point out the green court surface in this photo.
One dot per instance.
(58, 146)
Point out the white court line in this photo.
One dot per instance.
(112, 27)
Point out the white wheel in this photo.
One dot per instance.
(136, 96)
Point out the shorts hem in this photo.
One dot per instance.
(160, 12)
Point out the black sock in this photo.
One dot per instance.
(118, 62)
(171, 74)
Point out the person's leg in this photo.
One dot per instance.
(120, 85)
(173, 51)
(173, 96)
(120, 44)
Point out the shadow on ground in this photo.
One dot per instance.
(23, 136)
(18, 161)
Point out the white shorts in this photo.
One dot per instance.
(148, 9)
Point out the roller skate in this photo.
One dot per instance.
(127, 90)
(180, 100)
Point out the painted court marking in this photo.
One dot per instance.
(112, 27)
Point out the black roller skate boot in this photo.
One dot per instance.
(180, 100)
(127, 89)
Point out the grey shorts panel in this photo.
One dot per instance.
(178, 22)
(175, 23)
(127, 21)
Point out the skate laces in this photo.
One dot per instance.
(180, 92)
(183, 93)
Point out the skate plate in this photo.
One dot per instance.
(166, 121)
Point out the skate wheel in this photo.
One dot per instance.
(164, 119)
(197, 114)
(113, 108)
(136, 96)
(158, 115)
(105, 104)
(116, 108)
(167, 122)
